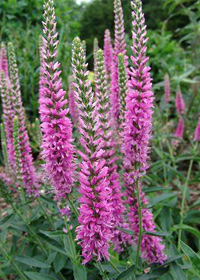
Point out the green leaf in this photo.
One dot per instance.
(192, 256)
(53, 234)
(79, 272)
(172, 259)
(177, 272)
(38, 276)
(31, 262)
(156, 189)
(196, 204)
(155, 274)
(163, 197)
(187, 228)
(54, 245)
(157, 233)
(59, 262)
(6, 219)
(126, 273)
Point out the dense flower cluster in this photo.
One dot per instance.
(56, 126)
(94, 231)
(137, 133)
(108, 144)
(27, 167)
(180, 104)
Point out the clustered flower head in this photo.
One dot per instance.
(137, 133)
(108, 144)
(180, 104)
(57, 148)
(167, 90)
(94, 231)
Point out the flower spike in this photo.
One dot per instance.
(58, 151)
(94, 231)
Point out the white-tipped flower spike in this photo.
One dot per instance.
(8, 115)
(109, 144)
(94, 231)
(108, 53)
(119, 47)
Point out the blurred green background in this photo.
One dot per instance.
(173, 27)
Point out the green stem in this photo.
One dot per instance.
(140, 223)
(71, 241)
(184, 200)
(105, 277)
(73, 207)
(114, 266)
(163, 162)
(9, 258)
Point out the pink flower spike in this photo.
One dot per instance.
(137, 133)
(108, 52)
(180, 129)
(94, 231)
(180, 104)
(58, 151)
(197, 132)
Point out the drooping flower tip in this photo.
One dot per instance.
(179, 101)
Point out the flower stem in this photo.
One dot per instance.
(105, 277)
(140, 223)
(71, 241)
(183, 201)
(73, 206)
(114, 266)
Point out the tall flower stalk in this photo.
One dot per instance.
(108, 145)
(58, 151)
(94, 231)
(119, 47)
(137, 133)
(27, 167)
